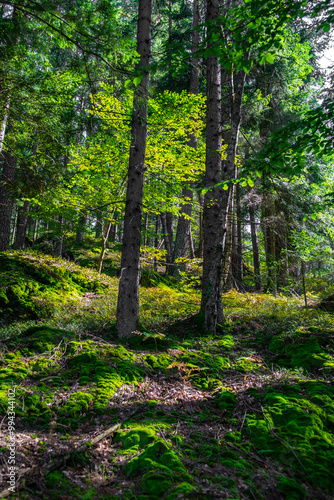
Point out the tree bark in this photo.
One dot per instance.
(128, 293)
(167, 229)
(213, 220)
(22, 222)
(81, 229)
(237, 261)
(183, 231)
(58, 249)
(6, 202)
(255, 247)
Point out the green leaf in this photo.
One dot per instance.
(137, 80)
(225, 187)
(326, 27)
(258, 173)
(250, 182)
(305, 218)
(270, 58)
(127, 83)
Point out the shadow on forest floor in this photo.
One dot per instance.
(245, 414)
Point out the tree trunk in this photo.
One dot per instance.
(58, 249)
(13, 233)
(183, 231)
(213, 220)
(268, 217)
(156, 240)
(255, 247)
(22, 222)
(167, 229)
(105, 236)
(200, 223)
(6, 202)
(228, 246)
(4, 123)
(145, 240)
(98, 229)
(128, 293)
(237, 261)
(81, 229)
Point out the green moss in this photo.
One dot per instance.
(156, 483)
(77, 404)
(291, 489)
(179, 491)
(301, 350)
(295, 420)
(225, 399)
(137, 437)
(159, 361)
(158, 457)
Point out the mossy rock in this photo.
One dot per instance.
(137, 437)
(181, 490)
(159, 457)
(156, 483)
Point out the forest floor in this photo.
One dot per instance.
(172, 413)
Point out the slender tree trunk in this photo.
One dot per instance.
(81, 229)
(183, 232)
(237, 260)
(145, 230)
(255, 247)
(98, 229)
(12, 239)
(4, 123)
(213, 220)
(58, 250)
(128, 293)
(228, 247)
(105, 236)
(6, 202)
(200, 223)
(167, 229)
(35, 235)
(191, 246)
(156, 240)
(22, 222)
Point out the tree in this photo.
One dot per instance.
(128, 293)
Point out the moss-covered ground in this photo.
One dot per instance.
(245, 414)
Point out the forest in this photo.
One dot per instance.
(166, 249)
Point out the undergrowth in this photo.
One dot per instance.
(247, 413)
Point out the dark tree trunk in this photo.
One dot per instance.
(145, 239)
(58, 249)
(156, 240)
(255, 247)
(268, 218)
(183, 232)
(22, 223)
(237, 260)
(6, 202)
(128, 294)
(200, 223)
(167, 229)
(81, 229)
(213, 220)
(98, 229)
